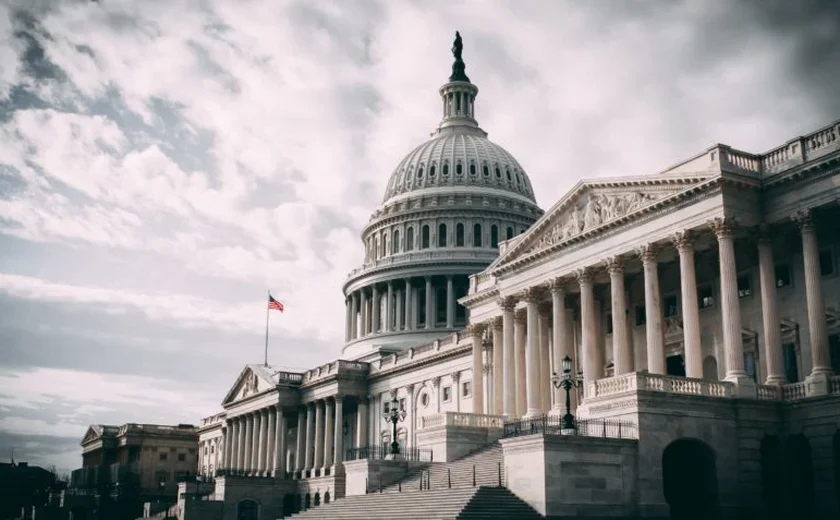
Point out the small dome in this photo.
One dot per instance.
(459, 156)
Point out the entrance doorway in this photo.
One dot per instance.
(248, 510)
(689, 480)
(675, 366)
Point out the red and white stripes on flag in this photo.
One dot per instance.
(274, 304)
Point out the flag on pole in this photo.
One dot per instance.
(274, 304)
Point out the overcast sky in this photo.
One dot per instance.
(162, 163)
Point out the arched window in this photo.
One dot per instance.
(509, 233)
(420, 173)
(494, 236)
(442, 235)
(507, 171)
(446, 168)
(498, 172)
(424, 237)
(477, 235)
(486, 171)
(386, 244)
(459, 169)
(396, 241)
(472, 168)
(432, 170)
(409, 239)
(459, 234)
(378, 251)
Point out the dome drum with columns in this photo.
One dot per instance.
(447, 206)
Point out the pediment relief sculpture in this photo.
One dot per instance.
(594, 210)
(250, 385)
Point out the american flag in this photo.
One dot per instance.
(274, 304)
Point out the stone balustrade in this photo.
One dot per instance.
(462, 419)
(333, 368)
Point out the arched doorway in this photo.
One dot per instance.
(248, 510)
(689, 480)
(800, 474)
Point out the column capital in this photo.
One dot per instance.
(683, 240)
(507, 303)
(410, 389)
(804, 219)
(647, 252)
(520, 316)
(476, 329)
(723, 227)
(435, 381)
(558, 285)
(614, 264)
(449, 277)
(531, 295)
(338, 397)
(496, 323)
(584, 276)
(428, 278)
(765, 234)
(545, 309)
(456, 376)
(488, 368)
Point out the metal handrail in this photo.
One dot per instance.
(605, 428)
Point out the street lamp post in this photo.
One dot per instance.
(566, 381)
(394, 415)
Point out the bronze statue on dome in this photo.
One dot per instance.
(458, 68)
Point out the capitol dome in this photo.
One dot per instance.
(447, 206)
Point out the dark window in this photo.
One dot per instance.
(409, 239)
(498, 173)
(163, 456)
(782, 275)
(396, 241)
(420, 173)
(467, 389)
(446, 168)
(458, 169)
(472, 169)
(744, 286)
(447, 393)
(182, 457)
(509, 233)
(608, 326)
(749, 365)
(432, 170)
(791, 365)
(671, 306)
(834, 352)
(477, 235)
(675, 366)
(507, 172)
(705, 296)
(494, 236)
(442, 235)
(459, 234)
(460, 310)
(826, 263)
(440, 306)
(640, 315)
(424, 237)
(486, 171)
(421, 308)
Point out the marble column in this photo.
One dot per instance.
(817, 325)
(593, 360)
(310, 437)
(256, 443)
(509, 365)
(436, 386)
(318, 441)
(280, 448)
(520, 322)
(562, 346)
(263, 452)
(450, 302)
(348, 320)
(338, 433)
(770, 311)
(227, 462)
(300, 442)
(654, 330)
(354, 312)
(430, 304)
(544, 385)
(363, 305)
(329, 428)
(622, 351)
(408, 322)
(375, 309)
(532, 354)
(476, 332)
(498, 367)
(240, 444)
(270, 444)
(362, 421)
(398, 315)
(249, 443)
(733, 342)
(456, 387)
(684, 242)
(389, 309)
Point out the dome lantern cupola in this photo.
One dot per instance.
(458, 94)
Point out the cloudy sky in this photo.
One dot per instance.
(164, 162)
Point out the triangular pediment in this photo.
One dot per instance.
(253, 379)
(93, 432)
(595, 205)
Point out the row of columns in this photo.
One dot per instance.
(320, 440)
(209, 453)
(364, 313)
(255, 443)
(524, 356)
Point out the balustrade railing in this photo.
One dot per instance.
(462, 419)
(658, 383)
(383, 452)
(606, 428)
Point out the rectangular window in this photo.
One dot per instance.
(834, 352)
(182, 457)
(749, 365)
(782, 275)
(705, 296)
(671, 306)
(826, 263)
(640, 315)
(791, 365)
(447, 394)
(163, 456)
(609, 324)
(744, 286)
(466, 388)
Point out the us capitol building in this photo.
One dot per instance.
(700, 304)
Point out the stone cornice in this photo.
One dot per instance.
(479, 297)
(703, 185)
(461, 350)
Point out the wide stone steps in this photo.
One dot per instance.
(459, 473)
(445, 504)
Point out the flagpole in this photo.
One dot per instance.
(266, 326)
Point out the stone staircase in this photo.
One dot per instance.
(464, 503)
(487, 461)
